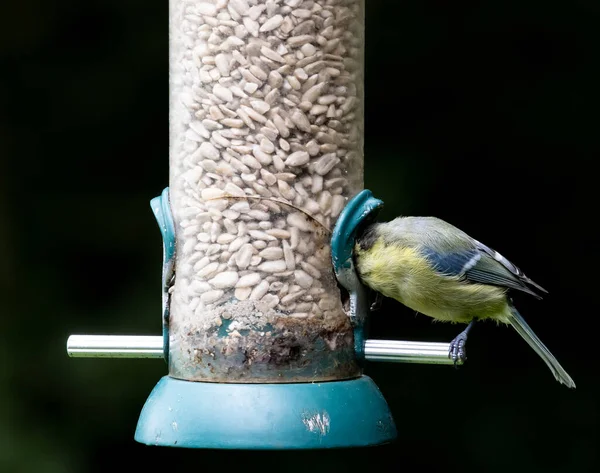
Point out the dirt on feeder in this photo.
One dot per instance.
(249, 342)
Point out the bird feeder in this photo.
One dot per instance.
(263, 315)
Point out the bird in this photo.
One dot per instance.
(436, 269)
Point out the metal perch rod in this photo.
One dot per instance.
(138, 346)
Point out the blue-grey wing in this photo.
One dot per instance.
(480, 264)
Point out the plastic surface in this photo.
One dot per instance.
(187, 414)
(359, 212)
(162, 212)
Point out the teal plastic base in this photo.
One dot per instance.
(334, 414)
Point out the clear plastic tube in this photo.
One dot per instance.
(266, 122)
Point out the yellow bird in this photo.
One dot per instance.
(438, 270)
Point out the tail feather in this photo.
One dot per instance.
(519, 324)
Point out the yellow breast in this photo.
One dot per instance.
(403, 274)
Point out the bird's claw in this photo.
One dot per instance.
(458, 351)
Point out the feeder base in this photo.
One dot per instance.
(351, 413)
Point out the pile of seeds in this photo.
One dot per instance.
(266, 148)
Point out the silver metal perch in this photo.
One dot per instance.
(401, 351)
(115, 346)
(140, 346)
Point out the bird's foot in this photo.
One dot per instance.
(458, 350)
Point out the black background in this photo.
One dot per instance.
(484, 114)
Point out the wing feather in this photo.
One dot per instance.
(480, 264)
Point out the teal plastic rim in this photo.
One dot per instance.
(361, 210)
(162, 212)
(336, 414)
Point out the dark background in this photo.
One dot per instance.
(485, 115)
